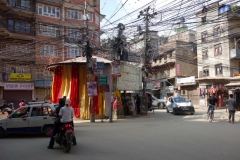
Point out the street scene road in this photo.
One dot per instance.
(157, 136)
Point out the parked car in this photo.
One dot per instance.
(159, 103)
(179, 105)
(33, 117)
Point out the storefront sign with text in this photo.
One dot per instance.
(18, 86)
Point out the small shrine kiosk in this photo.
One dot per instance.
(70, 80)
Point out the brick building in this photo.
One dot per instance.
(35, 33)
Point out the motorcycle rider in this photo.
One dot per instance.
(61, 103)
(57, 123)
(212, 101)
(3, 106)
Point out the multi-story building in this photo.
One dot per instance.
(176, 59)
(35, 33)
(217, 49)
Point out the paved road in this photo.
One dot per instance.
(153, 137)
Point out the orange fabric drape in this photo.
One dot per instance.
(57, 84)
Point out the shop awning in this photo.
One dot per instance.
(237, 84)
(213, 78)
(187, 84)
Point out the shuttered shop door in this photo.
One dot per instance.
(16, 96)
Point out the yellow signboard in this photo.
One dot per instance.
(16, 77)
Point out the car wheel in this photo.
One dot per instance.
(192, 113)
(167, 110)
(174, 112)
(158, 106)
(48, 130)
(2, 132)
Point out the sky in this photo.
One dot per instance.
(110, 7)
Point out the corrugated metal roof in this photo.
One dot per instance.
(78, 60)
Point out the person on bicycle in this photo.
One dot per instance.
(212, 101)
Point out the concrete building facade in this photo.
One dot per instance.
(36, 33)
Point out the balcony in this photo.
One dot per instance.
(20, 10)
(52, 2)
(235, 54)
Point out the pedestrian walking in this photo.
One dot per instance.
(138, 104)
(231, 107)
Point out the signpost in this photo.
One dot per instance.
(102, 80)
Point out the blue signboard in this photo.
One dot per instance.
(43, 83)
(100, 65)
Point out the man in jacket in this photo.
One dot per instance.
(231, 104)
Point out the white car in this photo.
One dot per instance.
(160, 103)
(33, 117)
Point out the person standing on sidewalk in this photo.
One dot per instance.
(231, 106)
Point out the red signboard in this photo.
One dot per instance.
(178, 69)
(103, 88)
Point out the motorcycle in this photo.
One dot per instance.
(9, 109)
(65, 137)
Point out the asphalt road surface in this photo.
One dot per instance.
(159, 136)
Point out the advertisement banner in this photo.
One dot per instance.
(18, 86)
(16, 77)
(92, 88)
(116, 72)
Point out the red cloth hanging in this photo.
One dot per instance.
(57, 85)
(74, 94)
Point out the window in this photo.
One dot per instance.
(205, 72)
(96, 19)
(40, 111)
(74, 52)
(204, 36)
(90, 17)
(216, 31)
(49, 11)
(218, 70)
(49, 30)
(204, 19)
(74, 14)
(217, 50)
(48, 50)
(18, 26)
(22, 4)
(205, 54)
(74, 33)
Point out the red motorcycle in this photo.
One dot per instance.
(65, 137)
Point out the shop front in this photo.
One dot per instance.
(42, 88)
(15, 91)
(17, 86)
(234, 88)
(209, 85)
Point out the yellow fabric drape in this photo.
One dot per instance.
(52, 92)
(66, 80)
(84, 99)
(104, 103)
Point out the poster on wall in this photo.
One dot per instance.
(92, 88)
(116, 70)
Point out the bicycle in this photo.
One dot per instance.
(210, 114)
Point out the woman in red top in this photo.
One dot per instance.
(116, 103)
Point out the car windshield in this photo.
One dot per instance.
(179, 100)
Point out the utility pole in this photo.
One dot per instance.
(146, 57)
(88, 53)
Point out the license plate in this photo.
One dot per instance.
(185, 109)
